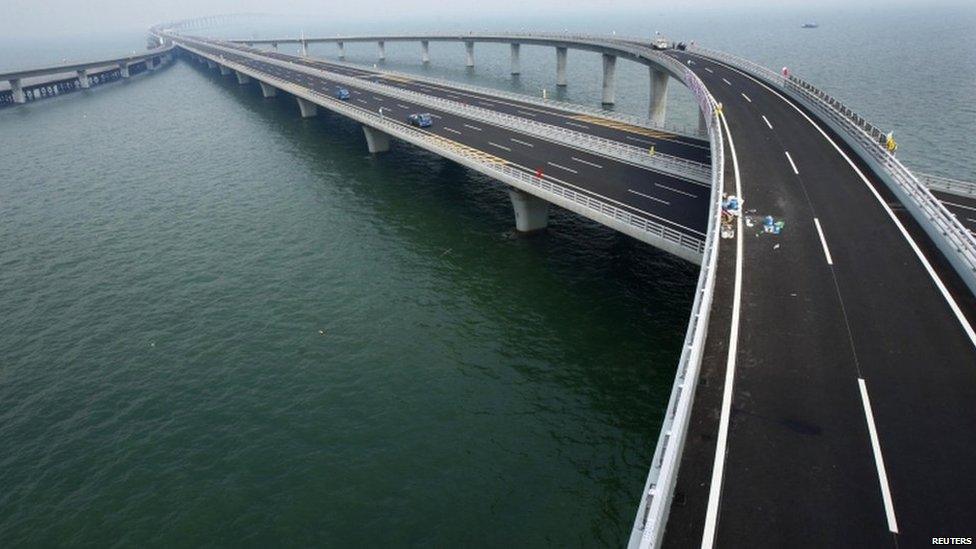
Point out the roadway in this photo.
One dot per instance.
(689, 148)
(963, 207)
(678, 203)
(849, 418)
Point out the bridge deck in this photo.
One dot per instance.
(679, 203)
(819, 314)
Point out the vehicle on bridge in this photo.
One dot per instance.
(661, 43)
(420, 120)
(342, 93)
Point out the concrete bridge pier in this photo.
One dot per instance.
(659, 95)
(469, 54)
(425, 52)
(224, 70)
(304, 48)
(516, 62)
(267, 90)
(381, 45)
(83, 79)
(609, 70)
(376, 141)
(309, 109)
(18, 91)
(124, 69)
(210, 64)
(702, 123)
(342, 49)
(531, 212)
(242, 78)
(150, 64)
(561, 66)
(274, 46)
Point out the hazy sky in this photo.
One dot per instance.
(66, 17)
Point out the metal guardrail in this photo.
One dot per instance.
(868, 137)
(473, 158)
(655, 504)
(947, 184)
(664, 163)
(584, 110)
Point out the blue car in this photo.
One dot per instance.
(421, 120)
(342, 93)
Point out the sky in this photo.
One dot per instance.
(25, 18)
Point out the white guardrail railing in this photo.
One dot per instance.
(473, 158)
(664, 163)
(655, 503)
(942, 226)
(583, 110)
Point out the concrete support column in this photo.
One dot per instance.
(83, 79)
(18, 91)
(531, 212)
(376, 141)
(304, 48)
(274, 46)
(516, 62)
(267, 90)
(560, 66)
(224, 71)
(702, 123)
(382, 49)
(424, 52)
(211, 64)
(242, 78)
(150, 63)
(659, 95)
(469, 54)
(308, 108)
(124, 69)
(342, 50)
(609, 70)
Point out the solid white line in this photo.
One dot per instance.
(452, 130)
(959, 205)
(587, 162)
(767, 121)
(577, 125)
(639, 140)
(503, 147)
(721, 446)
(571, 170)
(521, 142)
(672, 189)
(951, 301)
(485, 103)
(726, 81)
(746, 97)
(790, 158)
(823, 240)
(878, 459)
(665, 202)
(533, 115)
(475, 128)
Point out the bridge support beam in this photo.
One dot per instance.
(124, 69)
(267, 90)
(609, 71)
(18, 91)
(83, 81)
(224, 70)
(381, 46)
(561, 66)
(469, 54)
(242, 78)
(376, 141)
(531, 212)
(659, 96)
(342, 49)
(424, 52)
(308, 108)
(516, 62)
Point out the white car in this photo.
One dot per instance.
(661, 43)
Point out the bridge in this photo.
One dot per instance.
(824, 391)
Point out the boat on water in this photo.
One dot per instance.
(810, 25)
